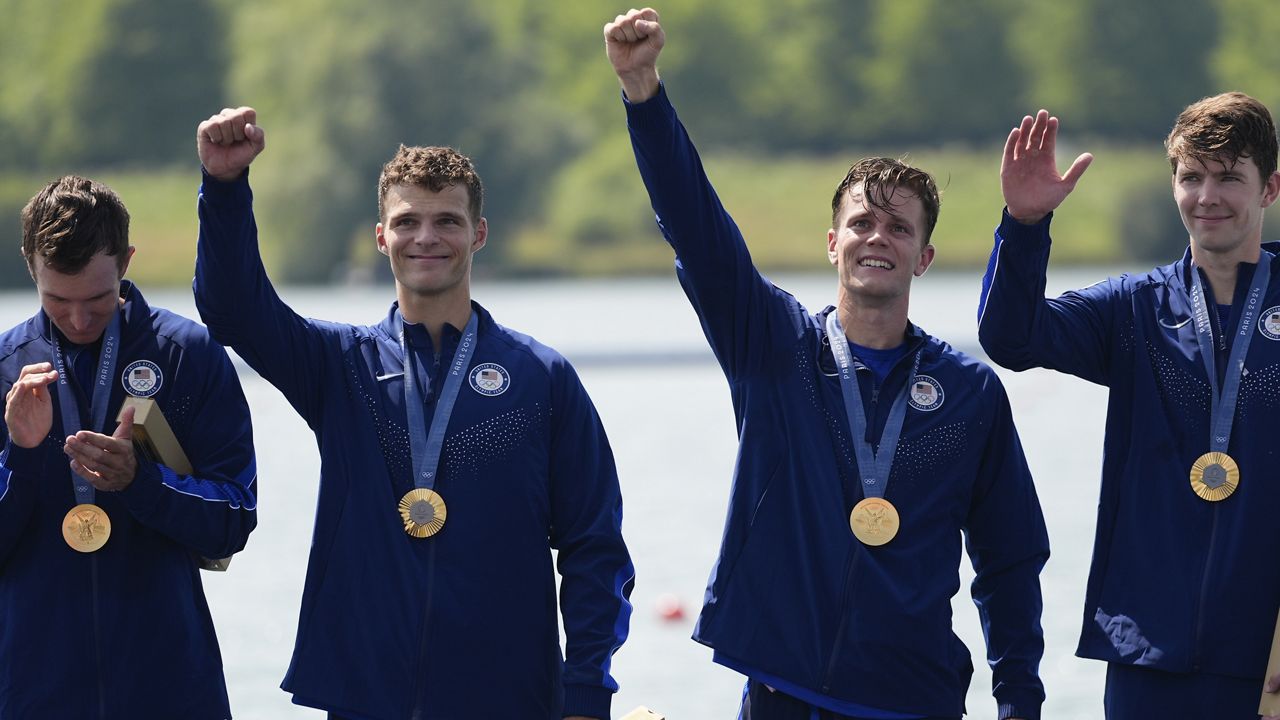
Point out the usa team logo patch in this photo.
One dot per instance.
(925, 394)
(142, 378)
(490, 379)
(1269, 323)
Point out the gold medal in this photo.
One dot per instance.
(874, 521)
(1214, 476)
(423, 512)
(86, 528)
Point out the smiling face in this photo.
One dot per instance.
(1222, 204)
(430, 239)
(877, 251)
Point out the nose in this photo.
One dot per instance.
(1208, 192)
(80, 318)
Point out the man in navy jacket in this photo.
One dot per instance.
(102, 614)
(861, 462)
(1183, 592)
(455, 455)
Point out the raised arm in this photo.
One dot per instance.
(233, 294)
(1017, 326)
(740, 311)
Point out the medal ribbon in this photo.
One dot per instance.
(426, 448)
(1222, 405)
(873, 467)
(100, 395)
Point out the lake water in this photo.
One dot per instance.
(640, 352)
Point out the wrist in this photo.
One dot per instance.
(1025, 217)
(640, 85)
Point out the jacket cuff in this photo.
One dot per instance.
(24, 461)
(218, 191)
(143, 493)
(652, 113)
(1028, 710)
(587, 700)
(1011, 229)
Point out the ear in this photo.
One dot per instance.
(926, 259)
(1271, 190)
(382, 240)
(832, 255)
(128, 256)
(482, 235)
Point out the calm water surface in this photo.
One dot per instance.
(641, 355)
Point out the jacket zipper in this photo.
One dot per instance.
(97, 637)
(1204, 589)
(419, 681)
(852, 563)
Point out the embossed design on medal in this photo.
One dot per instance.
(1215, 476)
(423, 512)
(86, 528)
(874, 521)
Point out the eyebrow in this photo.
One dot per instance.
(99, 296)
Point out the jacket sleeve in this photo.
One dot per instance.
(237, 302)
(20, 471)
(1008, 545)
(1019, 328)
(212, 510)
(586, 530)
(738, 308)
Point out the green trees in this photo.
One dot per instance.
(522, 86)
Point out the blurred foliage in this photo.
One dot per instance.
(776, 94)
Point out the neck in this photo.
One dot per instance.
(872, 326)
(1220, 268)
(434, 311)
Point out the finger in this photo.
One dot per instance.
(35, 368)
(249, 114)
(629, 31)
(34, 383)
(1038, 129)
(1024, 135)
(648, 14)
(646, 28)
(85, 473)
(1077, 169)
(124, 431)
(1050, 143)
(1010, 149)
(210, 130)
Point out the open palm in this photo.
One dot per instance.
(1029, 170)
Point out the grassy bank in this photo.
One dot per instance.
(597, 219)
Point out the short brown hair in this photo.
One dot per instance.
(433, 168)
(70, 221)
(1224, 127)
(880, 176)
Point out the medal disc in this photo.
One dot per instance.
(86, 528)
(1214, 476)
(874, 521)
(423, 512)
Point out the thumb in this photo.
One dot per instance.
(1077, 169)
(124, 431)
(256, 136)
